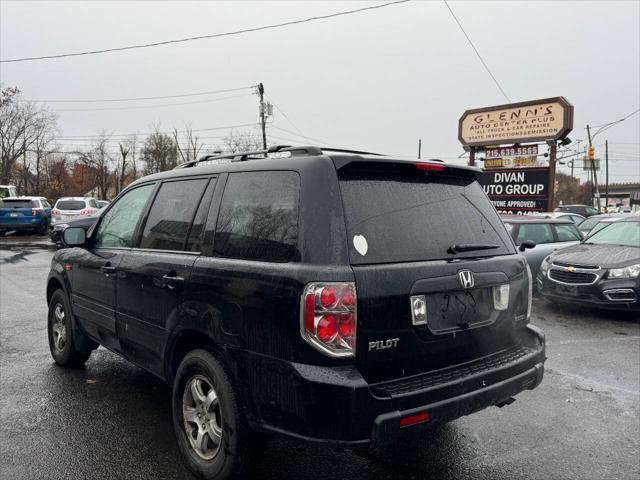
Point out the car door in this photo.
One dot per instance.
(153, 277)
(542, 235)
(94, 272)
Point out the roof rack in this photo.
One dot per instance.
(261, 154)
(255, 154)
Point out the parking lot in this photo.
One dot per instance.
(112, 420)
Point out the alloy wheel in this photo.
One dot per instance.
(202, 417)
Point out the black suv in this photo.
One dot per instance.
(334, 297)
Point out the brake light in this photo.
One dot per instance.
(431, 167)
(328, 317)
(86, 211)
(34, 212)
(55, 211)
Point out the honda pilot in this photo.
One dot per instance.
(335, 297)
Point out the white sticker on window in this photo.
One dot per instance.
(360, 244)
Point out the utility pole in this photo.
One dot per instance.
(419, 147)
(552, 176)
(262, 115)
(593, 168)
(606, 160)
(472, 156)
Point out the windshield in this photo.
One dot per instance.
(404, 218)
(621, 233)
(70, 204)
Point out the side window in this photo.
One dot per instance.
(576, 219)
(194, 243)
(537, 232)
(567, 233)
(119, 223)
(171, 214)
(591, 211)
(258, 217)
(93, 203)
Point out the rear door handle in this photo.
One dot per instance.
(107, 269)
(172, 282)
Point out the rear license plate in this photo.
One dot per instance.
(14, 214)
(449, 311)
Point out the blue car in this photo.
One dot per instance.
(24, 213)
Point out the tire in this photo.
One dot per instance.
(60, 332)
(203, 392)
(42, 229)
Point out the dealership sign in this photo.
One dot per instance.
(521, 191)
(534, 121)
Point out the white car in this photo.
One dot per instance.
(70, 208)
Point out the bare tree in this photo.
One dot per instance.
(190, 150)
(21, 123)
(125, 148)
(99, 160)
(159, 152)
(241, 141)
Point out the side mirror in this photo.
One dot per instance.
(524, 245)
(74, 237)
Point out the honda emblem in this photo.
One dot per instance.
(466, 278)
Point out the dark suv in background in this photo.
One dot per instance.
(334, 297)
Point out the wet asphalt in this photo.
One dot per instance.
(111, 419)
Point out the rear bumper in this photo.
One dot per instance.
(31, 224)
(337, 407)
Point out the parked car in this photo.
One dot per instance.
(574, 217)
(274, 299)
(548, 235)
(70, 208)
(584, 210)
(103, 203)
(8, 191)
(55, 232)
(596, 222)
(603, 271)
(24, 213)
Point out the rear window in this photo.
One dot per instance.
(70, 204)
(18, 203)
(404, 218)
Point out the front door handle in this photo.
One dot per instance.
(172, 282)
(107, 269)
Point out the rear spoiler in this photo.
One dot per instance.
(343, 162)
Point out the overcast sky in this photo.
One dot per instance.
(377, 80)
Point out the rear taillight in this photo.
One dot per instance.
(328, 317)
(34, 212)
(55, 211)
(86, 211)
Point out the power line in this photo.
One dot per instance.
(137, 107)
(202, 37)
(284, 115)
(477, 52)
(305, 137)
(210, 92)
(70, 137)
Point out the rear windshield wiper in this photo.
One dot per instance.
(469, 247)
